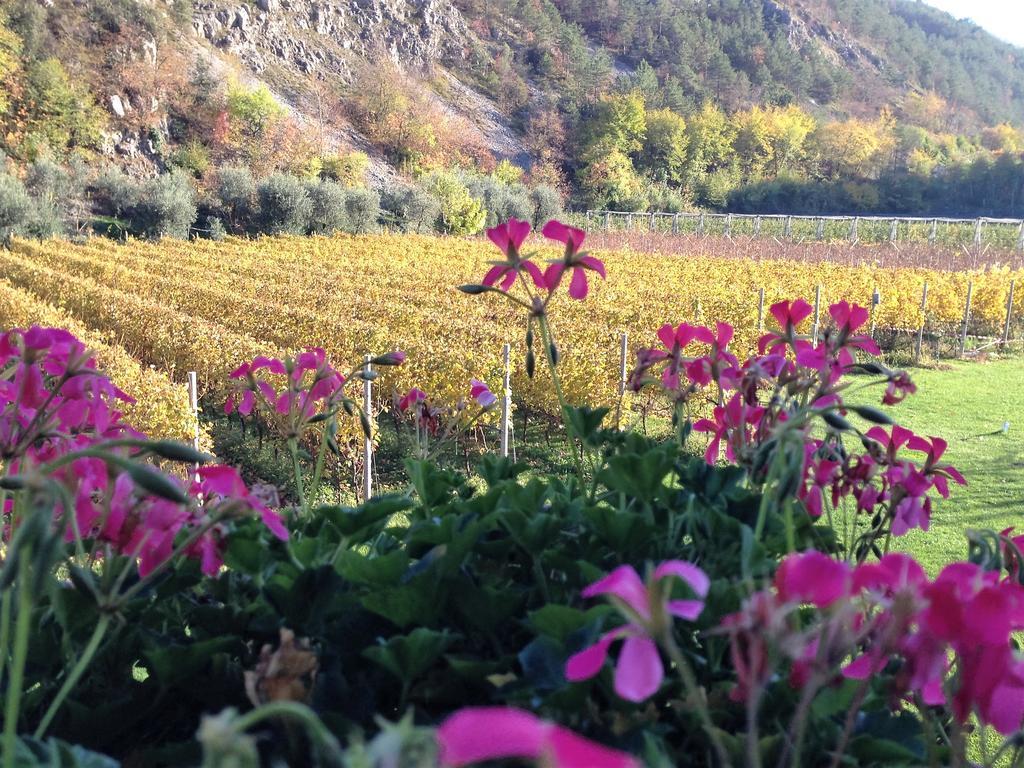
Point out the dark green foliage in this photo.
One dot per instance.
(362, 209)
(328, 213)
(236, 194)
(284, 205)
(547, 204)
(411, 209)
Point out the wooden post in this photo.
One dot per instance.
(1020, 237)
(853, 229)
(760, 309)
(1009, 313)
(977, 231)
(675, 224)
(967, 318)
(506, 401)
(700, 223)
(817, 314)
(787, 230)
(650, 226)
(933, 233)
(728, 225)
(819, 232)
(920, 331)
(757, 226)
(368, 439)
(893, 228)
(876, 299)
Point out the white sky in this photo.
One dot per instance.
(1003, 18)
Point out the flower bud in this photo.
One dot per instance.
(390, 358)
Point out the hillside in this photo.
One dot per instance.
(633, 104)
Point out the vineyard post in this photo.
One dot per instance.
(1020, 237)
(893, 225)
(817, 313)
(607, 221)
(675, 224)
(1009, 313)
(700, 224)
(760, 309)
(853, 229)
(368, 439)
(728, 225)
(650, 226)
(623, 352)
(977, 231)
(819, 231)
(629, 222)
(787, 231)
(920, 331)
(193, 404)
(876, 299)
(967, 318)
(933, 233)
(506, 400)
(589, 214)
(757, 226)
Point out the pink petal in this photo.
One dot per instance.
(638, 672)
(535, 273)
(687, 610)
(578, 286)
(688, 572)
(273, 521)
(591, 263)
(477, 734)
(588, 662)
(553, 275)
(624, 583)
(508, 280)
(499, 235)
(667, 336)
(518, 231)
(566, 749)
(493, 274)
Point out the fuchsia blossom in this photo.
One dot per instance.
(735, 424)
(509, 238)
(579, 262)
(411, 398)
(481, 393)
(788, 316)
(481, 734)
(639, 672)
(225, 483)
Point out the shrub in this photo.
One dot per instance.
(663, 198)
(328, 212)
(236, 194)
(362, 207)
(284, 205)
(15, 207)
(214, 229)
(193, 158)
(547, 204)
(461, 213)
(412, 209)
(164, 206)
(348, 169)
(502, 201)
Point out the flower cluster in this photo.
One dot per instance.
(439, 422)
(770, 401)
(648, 610)
(61, 430)
(942, 639)
(509, 238)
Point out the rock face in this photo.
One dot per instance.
(323, 37)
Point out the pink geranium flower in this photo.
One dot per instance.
(481, 393)
(639, 671)
(411, 398)
(788, 316)
(574, 260)
(222, 482)
(509, 238)
(481, 734)
(812, 577)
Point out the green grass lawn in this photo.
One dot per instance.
(966, 404)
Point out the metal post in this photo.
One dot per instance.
(1009, 313)
(817, 314)
(920, 331)
(760, 309)
(193, 404)
(788, 229)
(629, 222)
(893, 226)
(607, 221)
(876, 299)
(967, 318)
(368, 439)
(933, 233)
(506, 401)
(977, 231)
(623, 352)
(589, 213)
(650, 227)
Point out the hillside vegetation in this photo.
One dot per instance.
(427, 115)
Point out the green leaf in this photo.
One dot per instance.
(356, 522)
(585, 422)
(376, 570)
(409, 656)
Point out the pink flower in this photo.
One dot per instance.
(788, 316)
(220, 481)
(733, 423)
(480, 734)
(639, 671)
(411, 398)
(575, 260)
(898, 388)
(675, 340)
(480, 392)
(509, 238)
(811, 577)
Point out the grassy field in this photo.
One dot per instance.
(967, 404)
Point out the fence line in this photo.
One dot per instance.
(1005, 233)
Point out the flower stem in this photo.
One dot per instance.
(5, 631)
(293, 449)
(696, 694)
(545, 335)
(12, 705)
(300, 713)
(72, 679)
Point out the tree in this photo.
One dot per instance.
(664, 152)
(609, 181)
(709, 146)
(853, 148)
(618, 120)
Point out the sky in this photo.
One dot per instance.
(1003, 18)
